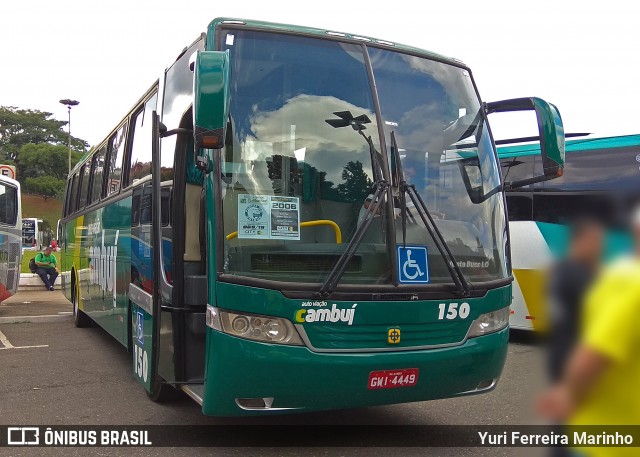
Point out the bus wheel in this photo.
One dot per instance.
(80, 319)
(162, 392)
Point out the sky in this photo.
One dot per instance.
(581, 56)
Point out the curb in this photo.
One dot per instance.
(33, 280)
(46, 318)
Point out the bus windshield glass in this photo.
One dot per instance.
(297, 175)
(285, 167)
(447, 154)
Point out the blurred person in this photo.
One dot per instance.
(569, 280)
(599, 382)
(47, 267)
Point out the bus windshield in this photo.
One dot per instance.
(296, 186)
(447, 154)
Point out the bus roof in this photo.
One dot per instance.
(273, 26)
(324, 33)
(578, 145)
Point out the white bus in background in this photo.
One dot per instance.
(10, 236)
(32, 234)
(601, 180)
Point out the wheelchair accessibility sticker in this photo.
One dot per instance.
(140, 327)
(412, 264)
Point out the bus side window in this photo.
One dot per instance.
(8, 205)
(140, 163)
(85, 172)
(520, 207)
(98, 173)
(135, 207)
(145, 206)
(165, 203)
(67, 194)
(91, 166)
(567, 207)
(115, 159)
(73, 195)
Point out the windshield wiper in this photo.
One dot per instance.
(399, 180)
(379, 189)
(334, 277)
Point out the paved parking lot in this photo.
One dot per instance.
(54, 373)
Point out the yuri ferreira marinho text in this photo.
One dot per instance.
(577, 438)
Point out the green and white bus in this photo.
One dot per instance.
(601, 180)
(293, 219)
(10, 236)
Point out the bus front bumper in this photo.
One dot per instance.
(245, 377)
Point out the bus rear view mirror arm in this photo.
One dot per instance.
(550, 134)
(165, 133)
(524, 182)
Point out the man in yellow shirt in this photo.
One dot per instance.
(601, 379)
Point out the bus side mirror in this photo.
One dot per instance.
(211, 91)
(550, 131)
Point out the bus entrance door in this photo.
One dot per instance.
(145, 297)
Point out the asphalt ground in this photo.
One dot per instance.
(56, 374)
(34, 303)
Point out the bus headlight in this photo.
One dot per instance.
(267, 329)
(489, 322)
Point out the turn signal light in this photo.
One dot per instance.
(210, 142)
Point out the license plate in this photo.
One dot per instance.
(390, 379)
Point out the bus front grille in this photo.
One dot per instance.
(374, 337)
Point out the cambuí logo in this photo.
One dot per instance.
(334, 314)
(103, 264)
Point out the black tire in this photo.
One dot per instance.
(80, 319)
(162, 392)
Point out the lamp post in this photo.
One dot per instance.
(69, 103)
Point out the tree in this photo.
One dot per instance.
(47, 186)
(44, 159)
(356, 184)
(23, 126)
(43, 167)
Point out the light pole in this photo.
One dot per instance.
(69, 103)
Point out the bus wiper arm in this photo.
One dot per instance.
(423, 211)
(380, 188)
(398, 181)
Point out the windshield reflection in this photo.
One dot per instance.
(281, 150)
(447, 153)
(280, 145)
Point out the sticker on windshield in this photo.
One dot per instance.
(285, 218)
(413, 265)
(268, 217)
(253, 216)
